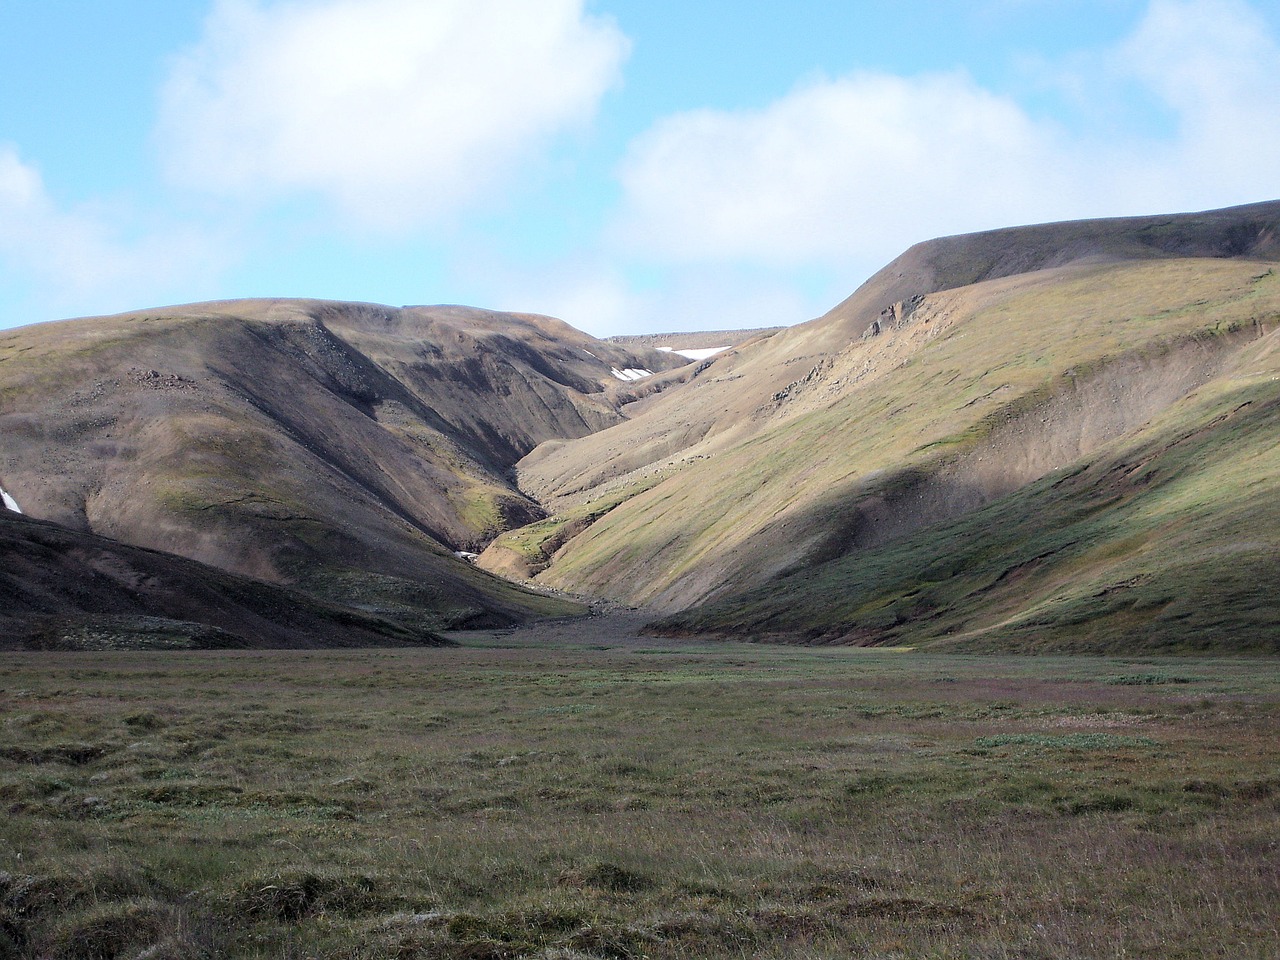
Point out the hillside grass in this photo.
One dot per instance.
(536, 543)
(1166, 544)
(440, 605)
(637, 799)
(996, 354)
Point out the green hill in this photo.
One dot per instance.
(1049, 437)
(806, 485)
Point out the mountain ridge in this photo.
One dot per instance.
(260, 437)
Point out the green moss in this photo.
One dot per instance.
(1068, 741)
(479, 511)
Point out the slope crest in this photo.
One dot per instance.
(746, 390)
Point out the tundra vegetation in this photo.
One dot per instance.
(516, 796)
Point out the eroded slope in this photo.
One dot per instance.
(1162, 541)
(346, 448)
(771, 379)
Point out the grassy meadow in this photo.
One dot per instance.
(628, 799)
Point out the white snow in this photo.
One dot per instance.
(630, 374)
(9, 502)
(703, 353)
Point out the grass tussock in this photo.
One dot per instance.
(622, 801)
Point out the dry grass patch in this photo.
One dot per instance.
(624, 801)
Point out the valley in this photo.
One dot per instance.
(1048, 438)
(615, 480)
(341, 630)
(1020, 381)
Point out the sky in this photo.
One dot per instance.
(628, 166)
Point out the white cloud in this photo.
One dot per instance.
(20, 185)
(847, 172)
(398, 111)
(1202, 55)
(71, 261)
(594, 298)
(726, 298)
(1215, 64)
(834, 171)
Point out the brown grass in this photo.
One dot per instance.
(634, 798)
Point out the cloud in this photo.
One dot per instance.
(400, 112)
(833, 171)
(1203, 55)
(72, 261)
(1214, 63)
(844, 173)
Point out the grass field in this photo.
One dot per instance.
(637, 799)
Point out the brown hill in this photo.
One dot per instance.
(800, 485)
(695, 340)
(1251, 232)
(730, 397)
(964, 371)
(347, 449)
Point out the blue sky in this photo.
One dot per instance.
(628, 165)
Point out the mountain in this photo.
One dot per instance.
(1045, 437)
(347, 450)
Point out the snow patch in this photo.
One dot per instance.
(702, 353)
(630, 374)
(9, 502)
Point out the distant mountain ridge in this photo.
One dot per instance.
(1251, 231)
(694, 340)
